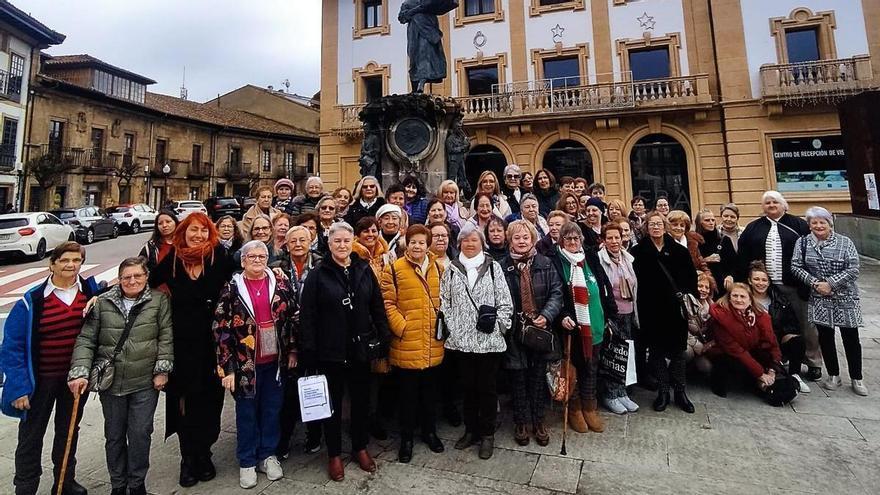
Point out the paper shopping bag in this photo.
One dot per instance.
(314, 398)
(631, 377)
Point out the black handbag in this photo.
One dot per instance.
(103, 371)
(535, 338)
(783, 390)
(368, 347)
(487, 315)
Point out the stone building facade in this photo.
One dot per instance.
(703, 101)
(106, 140)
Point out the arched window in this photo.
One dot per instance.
(484, 157)
(658, 167)
(568, 157)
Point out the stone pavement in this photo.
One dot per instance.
(825, 442)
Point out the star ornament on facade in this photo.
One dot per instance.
(646, 21)
(557, 33)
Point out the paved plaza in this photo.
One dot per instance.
(822, 443)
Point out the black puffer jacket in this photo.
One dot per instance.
(547, 293)
(328, 327)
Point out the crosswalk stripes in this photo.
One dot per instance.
(31, 285)
(6, 279)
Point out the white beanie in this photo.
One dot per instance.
(388, 208)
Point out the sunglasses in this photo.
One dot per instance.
(512, 176)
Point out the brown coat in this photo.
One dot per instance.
(695, 240)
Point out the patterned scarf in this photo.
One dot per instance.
(581, 297)
(524, 265)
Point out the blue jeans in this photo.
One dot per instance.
(128, 430)
(257, 420)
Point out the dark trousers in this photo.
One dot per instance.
(530, 394)
(641, 347)
(673, 373)
(418, 400)
(290, 415)
(128, 431)
(199, 420)
(794, 349)
(587, 375)
(355, 377)
(851, 347)
(727, 370)
(478, 373)
(256, 418)
(50, 393)
(449, 383)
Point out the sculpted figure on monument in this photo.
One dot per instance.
(457, 147)
(424, 41)
(371, 151)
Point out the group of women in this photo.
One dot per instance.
(430, 299)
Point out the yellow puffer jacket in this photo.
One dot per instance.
(411, 314)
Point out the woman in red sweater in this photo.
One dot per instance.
(745, 335)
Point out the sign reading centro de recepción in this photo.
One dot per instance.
(810, 164)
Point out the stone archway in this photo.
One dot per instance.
(568, 157)
(484, 157)
(659, 167)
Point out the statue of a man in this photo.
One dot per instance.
(424, 41)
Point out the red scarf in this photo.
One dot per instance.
(192, 257)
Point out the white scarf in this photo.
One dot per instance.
(581, 311)
(472, 266)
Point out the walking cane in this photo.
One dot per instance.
(70, 431)
(567, 394)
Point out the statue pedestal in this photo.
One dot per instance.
(413, 134)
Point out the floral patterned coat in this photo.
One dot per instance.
(235, 330)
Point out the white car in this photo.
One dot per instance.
(134, 217)
(184, 208)
(32, 234)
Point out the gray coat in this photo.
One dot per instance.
(835, 261)
(461, 315)
(148, 351)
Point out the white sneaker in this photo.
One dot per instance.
(859, 388)
(247, 477)
(271, 467)
(832, 382)
(802, 385)
(614, 406)
(628, 403)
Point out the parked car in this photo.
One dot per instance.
(32, 234)
(220, 206)
(184, 208)
(133, 217)
(89, 223)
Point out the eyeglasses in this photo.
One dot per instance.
(137, 276)
(512, 176)
(261, 229)
(368, 186)
(328, 208)
(655, 224)
(571, 239)
(298, 241)
(440, 236)
(257, 257)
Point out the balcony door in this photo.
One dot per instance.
(481, 158)
(568, 157)
(658, 166)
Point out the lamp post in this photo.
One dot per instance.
(166, 169)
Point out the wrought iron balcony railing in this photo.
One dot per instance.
(822, 81)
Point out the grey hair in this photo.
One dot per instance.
(777, 196)
(135, 261)
(469, 228)
(340, 227)
(324, 199)
(512, 168)
(570, 228)
(529, 196)
(819, 212)
(294, 230)
(314, 178)
(252, 245)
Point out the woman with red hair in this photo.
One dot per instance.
(194, 271)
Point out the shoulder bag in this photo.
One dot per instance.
(441, 331)
(102, 372)
(487, 315)
(688, 304)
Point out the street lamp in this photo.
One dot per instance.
(165, 171)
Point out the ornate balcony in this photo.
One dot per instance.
(349, 124)
(90, 160)
(822, 81)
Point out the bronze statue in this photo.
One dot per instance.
(371, 151)
(424, 41)
(457, 146)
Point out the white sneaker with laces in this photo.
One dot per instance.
(614, 406)
(859, 388)
(271, 467)
(628, 403)
(802, 385)
(247, 477)
(832, 382)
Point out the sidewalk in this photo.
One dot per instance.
(825, 442)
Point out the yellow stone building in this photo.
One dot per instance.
(704, 101)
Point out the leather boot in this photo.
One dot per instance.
(542, 436)
(404, 454)
(205, 470)
(682, 401)
(335, 469)
(576, 419)
(487, 447)
(521, 435)
(466, 441)
(662, 401)
(364, 460)
(187, 472)
(590, 411)
(433, 442)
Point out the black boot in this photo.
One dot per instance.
(73, 488)
(682, 401)
(139, 490)
(718, 383)
(188, 472)
(119, 491)
(433, 442)
(487, 447)
(404, 455)
(466, 440)
(205, 468)
(662, 401)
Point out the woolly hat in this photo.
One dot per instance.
(284, 182)
(598, 203)
(388, 208)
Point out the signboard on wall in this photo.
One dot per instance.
(811, 163)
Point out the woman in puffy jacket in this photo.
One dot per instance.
(411, 290)
(141, 369)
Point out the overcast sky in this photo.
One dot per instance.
(224, 44)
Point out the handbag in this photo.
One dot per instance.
(487, 315)
(688, 304)
(441, 330)
(614, 357)
(783, 390)
(103, 371)
(535, 338)
(561, 386)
